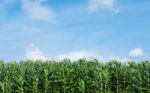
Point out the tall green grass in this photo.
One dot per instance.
(81, 76)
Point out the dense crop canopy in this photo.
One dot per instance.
(81, 76)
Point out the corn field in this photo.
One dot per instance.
(81, 76)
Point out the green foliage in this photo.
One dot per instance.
(81, 76)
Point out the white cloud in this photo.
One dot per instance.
(95, 5)
(76, 55)
(136, 52)
(36, 10)
(90, 55)
(34, 53)
(112, 57)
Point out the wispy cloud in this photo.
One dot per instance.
(136, 52)
(36, 10)
(110, 5)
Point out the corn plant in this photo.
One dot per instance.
(82, 76)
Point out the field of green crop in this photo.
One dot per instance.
(81, 76)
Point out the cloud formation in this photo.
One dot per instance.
(36, 10)
(76, 55)
(34, 53)
(110, 5)
(136, 52)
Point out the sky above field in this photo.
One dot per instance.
(47, 29)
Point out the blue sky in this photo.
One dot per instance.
(45, 29)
